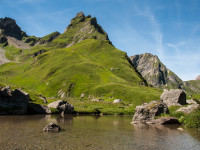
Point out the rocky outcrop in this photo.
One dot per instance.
(52, 127)
(38, 109)
(175, 97)
(62, 106)
(166, 120)
(11, 29)
(188, 109)
(48, 38)
(156, 74)
(38, 53)
(198, 78)
(148, 111)
(80, 28)
(13, 102)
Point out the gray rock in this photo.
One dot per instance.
(96, 100)
(82, 95)
(188, 109)
(155, 72)
(166, 120)
(62, 106)
(174, 97)
(148, 111)
(112, 69)
(117, 101)
(13, 102)
(191, 101)
(52, 127)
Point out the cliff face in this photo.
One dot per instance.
(9, 27)
(155, 72)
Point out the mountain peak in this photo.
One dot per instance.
(198, 77)
(10, 28)
(153, 70)
(80, 28)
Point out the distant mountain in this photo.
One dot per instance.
(155, 72)
(198, 78)
(80, 60)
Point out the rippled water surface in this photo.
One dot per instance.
(92, 132)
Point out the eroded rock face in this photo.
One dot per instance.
(10, 28)
(52, 127)
(198, 78)
(148, 111)
(174, 97)
(155, 72)
(13, 102)
(62, 106)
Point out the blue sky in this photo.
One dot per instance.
(169, 29)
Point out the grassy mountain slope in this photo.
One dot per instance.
(81, 60)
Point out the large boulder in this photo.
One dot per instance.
(52, 127)
(38, 109)
(188, 109)
(62, 106)
(166, 120)
(175, 97)
(148, 111)
(13, 102)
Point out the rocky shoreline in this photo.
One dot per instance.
(18, 102)
(147, 112)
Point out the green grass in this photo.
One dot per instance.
(82, 68)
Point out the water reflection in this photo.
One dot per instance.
(91, 132)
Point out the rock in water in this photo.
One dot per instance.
(147, 111)
(61, 106)
(166, 120)
(52, 127)
(175, 97)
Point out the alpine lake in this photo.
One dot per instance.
(91, 132)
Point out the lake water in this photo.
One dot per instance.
(92, 133)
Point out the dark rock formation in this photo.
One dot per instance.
(13, 102)
(38, 53)
(166, 120)
(62, 106)
(38, 109)
(10, 28)
(156, 74)
(148, 111)
(48, 38)
(52, 127)
(175, 97)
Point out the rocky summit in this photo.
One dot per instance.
(9, 27)
(198, 78)
(155, 72)
(80, 28)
